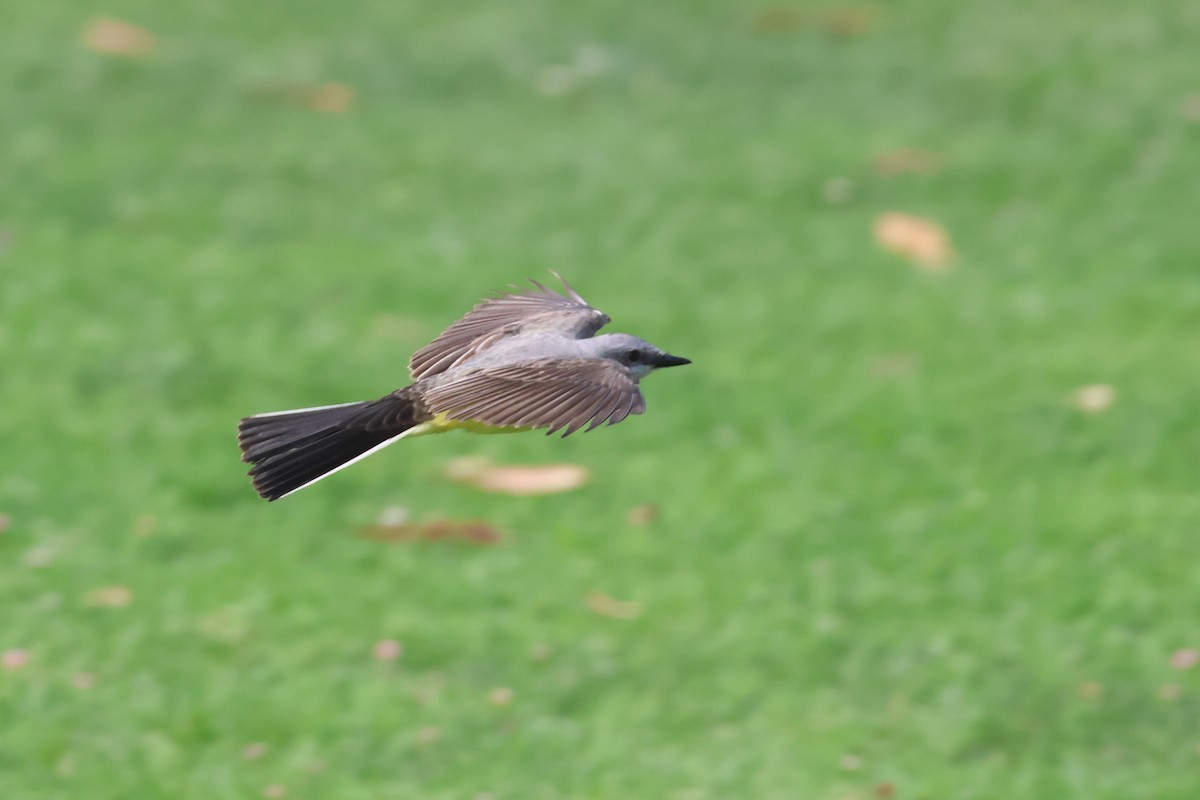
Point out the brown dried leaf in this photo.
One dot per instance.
(778, 19)
(116, 38)
(840, 21)
(515, 480)
(387, 650)
(921, 241)
(13, 660)
(847, 21)
(607, 606)
(5, 522)
(500, 696)
(907, 159)
(643, 514)
(325, 98)
(884, 791)
(108, 597)
(475, 532)
(1090, 690)
(1094, 398)
(329, 98)
(1185, 659)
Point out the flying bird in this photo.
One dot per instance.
(521, 361)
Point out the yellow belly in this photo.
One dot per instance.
(442, 424)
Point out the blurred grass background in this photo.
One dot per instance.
(892, 558)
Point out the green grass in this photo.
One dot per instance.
(944, 579)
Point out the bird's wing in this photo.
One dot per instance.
(554, 393)
(535, 309)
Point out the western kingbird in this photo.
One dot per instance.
(515, 362)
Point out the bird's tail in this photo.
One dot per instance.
(292, 449)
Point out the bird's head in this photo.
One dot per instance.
(637, 355)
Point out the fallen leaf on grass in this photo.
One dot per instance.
(884, 791)
(83, 680)
(116, 38)
(778, 19)
(275, 791)
(607, 606)
(5, 521)
(108, 597)
(847, 21)
(1090, 690)
(1170, 692)
(387, 650)
(907, 159)
(921, 241)
(643, 514)
(533, 479)
(1185, 659)
(500, 696)
(841, 21)
(324, 98)
(329, 98)
(13, 660)
(471, 531)
(1094, 398)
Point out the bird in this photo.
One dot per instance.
(524, 360)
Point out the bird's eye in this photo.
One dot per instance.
(635, 356)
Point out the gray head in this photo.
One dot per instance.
(637, 355)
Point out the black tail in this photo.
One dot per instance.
(291, 449)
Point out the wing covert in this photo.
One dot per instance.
(539, 308)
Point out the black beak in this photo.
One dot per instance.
(667, 360)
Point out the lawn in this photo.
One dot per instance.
(896, 553)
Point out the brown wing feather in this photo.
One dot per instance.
(553, 393)
(538, 308)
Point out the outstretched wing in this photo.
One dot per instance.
(553, 393)
(536, 309)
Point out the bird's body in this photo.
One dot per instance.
(514, 363)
